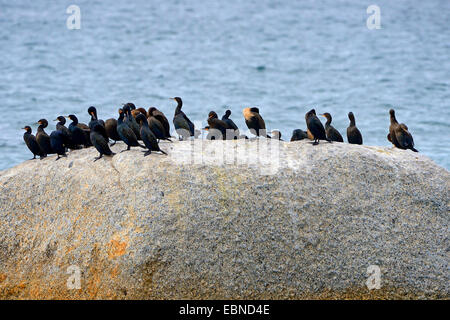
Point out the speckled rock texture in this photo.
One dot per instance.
(226, 220)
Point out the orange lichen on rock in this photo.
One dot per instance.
(116, 249)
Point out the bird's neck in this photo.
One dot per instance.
(393, 119)
(178, 108)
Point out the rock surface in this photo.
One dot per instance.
(211, 222)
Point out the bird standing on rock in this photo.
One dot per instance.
(67, 135)
(216, 124)
(353, 134)
(231, 124)
(111, 130)
(43, 138)
(330, 131)
(57, 142)
(99, 141)
(79, 136)
(147, 135)
(158, 115)
(126, 133)
(130, 120)
(30, 141)
(183, 126)
(399, 134)
(255, 122)
(315, 127)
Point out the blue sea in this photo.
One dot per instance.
(285, 57)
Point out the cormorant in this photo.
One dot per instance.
(157, 128)
(30, 141)
(126, 133)
(399, 134)
(231, 124)
(330, 131)
(153, 112)
(315, 127)
(42, 137)
(57, 142)
(99, 141)
(130, 120)
(298, 135)
(353, 134)
(137, 111)
(94, 119)
(183, 126)
(255, 122)
(67, 135)
(216, 124)
(147, 135)
(111, 130)
(79, 136)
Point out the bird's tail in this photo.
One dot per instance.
(414, 149)
(163, 152)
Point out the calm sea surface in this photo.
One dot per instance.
(283, 56)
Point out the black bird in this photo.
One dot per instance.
(130, 120)
(94, 119)
(315, 127)
(79, 136)
(353, 134)
(216, 124)
(126, 133)
(111, 130)
(399, 134)
(298, 135)
(147, 135)
(255, 122)
(30, 141)
(157, 128)
(183, 126)
(152, 111)
(67, 135)
(57, 143)
(230, 123)
(42, 137)
(99, 141)
(330, 131)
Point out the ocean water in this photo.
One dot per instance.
(283, 56)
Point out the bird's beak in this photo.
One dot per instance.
(171, 98)
(67, 117)
(322, 115)
(55, 120)
(23, 128)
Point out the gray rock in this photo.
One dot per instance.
(300, 221)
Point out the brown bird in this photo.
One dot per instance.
(217, 124)
(331, 132)
(315, 127)
(137, 111)
(255, 122)
(353, 134)
(111, 130)
(399, 134)
(183, 125)
(158, 115)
